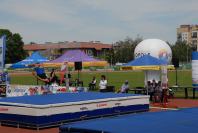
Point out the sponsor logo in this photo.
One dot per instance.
(3, 109)
(101, 105)
(117, 104)
(140, 54)
(84, 108)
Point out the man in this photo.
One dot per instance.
(125, 87)
(39, 73)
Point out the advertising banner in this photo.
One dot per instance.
(2, 51)
(195, 68)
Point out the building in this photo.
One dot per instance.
(188, 33)
(53, 50)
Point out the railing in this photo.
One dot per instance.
(185, 90)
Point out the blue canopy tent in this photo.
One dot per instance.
(145, 62)
(36, 57)
(151, 67)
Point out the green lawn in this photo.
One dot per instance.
(135, 78)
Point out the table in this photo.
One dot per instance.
(139, 90)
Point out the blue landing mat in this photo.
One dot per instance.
(181, 121)
(62, 98)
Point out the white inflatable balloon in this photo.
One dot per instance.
(154, 47)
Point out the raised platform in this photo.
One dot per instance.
(55, 109)
(180, 121)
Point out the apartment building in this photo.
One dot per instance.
(189, 34)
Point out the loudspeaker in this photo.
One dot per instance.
(175, 62)
(78, 65)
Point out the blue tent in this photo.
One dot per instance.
(146, 60)
(36, 57)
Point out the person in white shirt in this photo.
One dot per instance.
(103, 84)
(125, 87)
(63, 71)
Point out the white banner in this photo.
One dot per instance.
(2, 51)
(26, 90)
(195, 68)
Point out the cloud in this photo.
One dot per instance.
(104, 20)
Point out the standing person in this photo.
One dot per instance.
(103, 84)
(63, 71)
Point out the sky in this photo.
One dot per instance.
(107, 21)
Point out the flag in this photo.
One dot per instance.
(2, 51)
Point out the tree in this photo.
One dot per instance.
(182, 51)
(14, 46)
(123, 50)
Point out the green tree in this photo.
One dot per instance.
(14, 46)
(123, 50)
(182, 51)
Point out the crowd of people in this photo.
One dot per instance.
(155, 91)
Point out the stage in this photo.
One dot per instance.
(179, 121)
(55, 109)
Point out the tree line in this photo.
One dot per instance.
(122, 51)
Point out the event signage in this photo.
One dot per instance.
(195, 68)
(2, 51)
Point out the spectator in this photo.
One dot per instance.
(39, 73)
(63, 71)
(92, 85)
(53, 77)
(150, 89)
(103, 84)
(125, 87)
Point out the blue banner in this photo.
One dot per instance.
(2, 51)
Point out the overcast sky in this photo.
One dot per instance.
(107, 21)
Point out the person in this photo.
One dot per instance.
(63, 70)
(158, 92)
(53, 77)
(150, 89)
(103, 84)
(39, 73)
(125, 87)
(93, 83)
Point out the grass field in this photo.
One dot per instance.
(135, 78)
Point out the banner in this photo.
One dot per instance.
(2, 51)
(29, 90)
(195, 68)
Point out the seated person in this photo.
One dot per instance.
(103, 84)
(53, 77)
(93, 83)
(125, 87)
(39, 73)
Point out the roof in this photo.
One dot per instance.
(146, 60)
(68, 45)
(36, 57)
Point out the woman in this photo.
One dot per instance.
(103, 84)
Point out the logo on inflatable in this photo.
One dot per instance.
(163, 54)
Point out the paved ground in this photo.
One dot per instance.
(173, 103)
